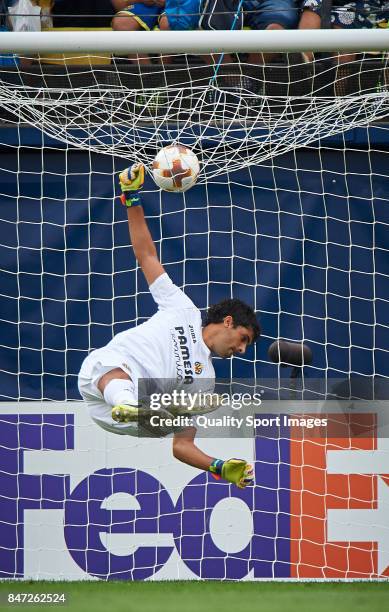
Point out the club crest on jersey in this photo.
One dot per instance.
(198, 367)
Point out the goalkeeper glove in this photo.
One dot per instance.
(131, 182)
(237, 471)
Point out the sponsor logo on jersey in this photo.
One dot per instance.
(184, 353)
(198, 367)
(177, 358)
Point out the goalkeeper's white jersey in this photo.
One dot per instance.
(168, 349)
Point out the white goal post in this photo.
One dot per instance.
(219, 41)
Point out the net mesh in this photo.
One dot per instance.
(298, 232)
(290, 214)
(233, 115)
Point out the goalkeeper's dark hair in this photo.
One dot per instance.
(241, 314)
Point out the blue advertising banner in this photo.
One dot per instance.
(77, 502)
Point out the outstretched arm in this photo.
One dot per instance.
(186, 451)
(237, 471)
(131, 181)
(143, 244)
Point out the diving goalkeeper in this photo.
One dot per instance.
(172, 345)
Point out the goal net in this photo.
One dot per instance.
(290, 214)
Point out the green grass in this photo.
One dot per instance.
(205, 596)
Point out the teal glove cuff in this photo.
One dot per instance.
(216, 468)
(131, 198)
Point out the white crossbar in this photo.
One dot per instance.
(194, 41)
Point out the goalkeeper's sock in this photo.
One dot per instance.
(119, 391)
(216, 468)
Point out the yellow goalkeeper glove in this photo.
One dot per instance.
(131, 182)
(237, 471)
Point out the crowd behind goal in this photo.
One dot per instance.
(138, 15)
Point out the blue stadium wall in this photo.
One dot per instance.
(329, 267)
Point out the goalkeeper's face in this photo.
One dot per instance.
(232, 340)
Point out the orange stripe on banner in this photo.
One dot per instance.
(313, 492)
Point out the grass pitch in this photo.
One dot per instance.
(204, 596)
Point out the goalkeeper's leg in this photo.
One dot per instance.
(118, 391)
(109, 393)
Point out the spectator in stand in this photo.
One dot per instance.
(182, 15)
(140, 16)
(167, 15)
(350, 15)
(269, 15)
